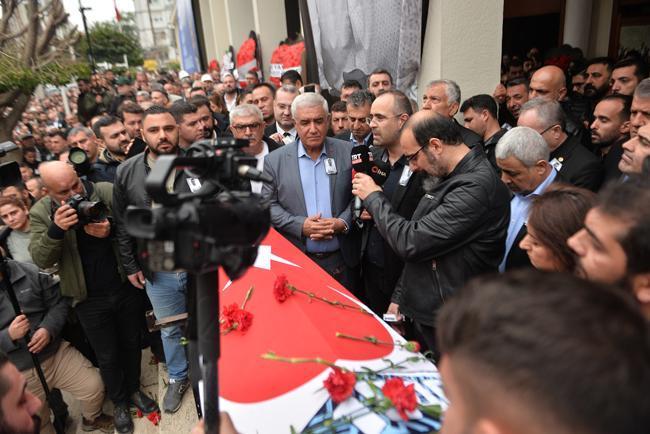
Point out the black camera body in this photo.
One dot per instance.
(87, 211)
(218, 225)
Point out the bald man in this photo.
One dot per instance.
(106, 304)
(549, 83)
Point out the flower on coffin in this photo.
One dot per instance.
(402, 397)
(283, 290)
(341, 382)
(234, 317)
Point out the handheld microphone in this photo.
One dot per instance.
(361, 163)
(379, 171)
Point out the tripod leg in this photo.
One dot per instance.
(192, 347)
(207, 306)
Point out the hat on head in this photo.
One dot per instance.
(206, 77)
(183, 74)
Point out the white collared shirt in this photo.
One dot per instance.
(256, 186)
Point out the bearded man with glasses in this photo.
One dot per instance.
(457, 231)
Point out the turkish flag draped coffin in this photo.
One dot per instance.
(270, 396)
(296, 328)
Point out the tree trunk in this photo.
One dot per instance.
(8, 122)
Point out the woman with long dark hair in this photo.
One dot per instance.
(554, 217)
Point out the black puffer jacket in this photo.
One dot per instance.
(458, 231)
(129, 189)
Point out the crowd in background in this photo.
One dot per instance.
(548, 173)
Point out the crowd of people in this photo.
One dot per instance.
(514, 245)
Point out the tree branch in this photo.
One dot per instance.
(32, 34)
(8, 9)
(4, 37)
(56, 18)
(8, 122)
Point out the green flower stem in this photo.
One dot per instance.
(249, 294)
(313, 296)
(373, 340)
(295, 360)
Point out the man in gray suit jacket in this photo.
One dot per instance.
(310, 195)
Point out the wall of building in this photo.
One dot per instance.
(601, 22)
(162, 15)
(463, 43)
(215, 28)
(229, 22)
(271, 27)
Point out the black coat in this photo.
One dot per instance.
(404, 201)
(611, 160)
(490, 146)
(272, 144)
(458, 231)
(40, 300)
(129, 189)
(271, 129)
(579, 167)
(470, 138)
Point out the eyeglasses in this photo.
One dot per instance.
(547, 129)
(411, 157)
(241, 128)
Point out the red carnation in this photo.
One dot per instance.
(154, 417)
(340, 384)
(235, 318)
(281, 288)
(402, 397)
(244, 320)
(228, 316)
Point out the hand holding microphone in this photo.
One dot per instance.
(361, 158)
(365, 183)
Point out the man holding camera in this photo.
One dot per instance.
(166, 290)
(87, 257)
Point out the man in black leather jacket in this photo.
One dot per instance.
(458, 229)
(166, 290)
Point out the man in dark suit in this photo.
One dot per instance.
(522, 155)
(443, 97)
(609, 130)
(358, 109)
(305, 174)
(283, 129)
(247, 122)
(380, 265)
(576, 164)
